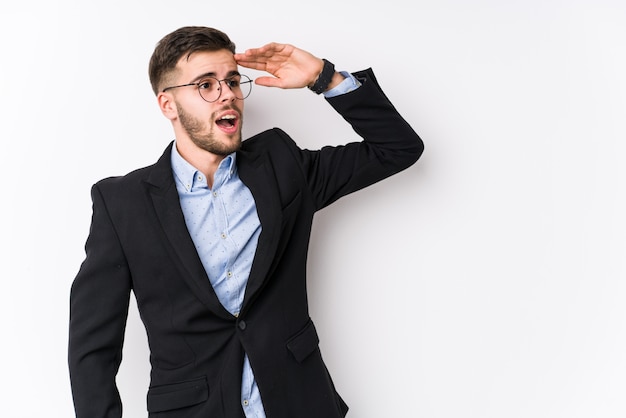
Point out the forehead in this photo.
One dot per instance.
(219, 63)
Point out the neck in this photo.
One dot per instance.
(204, 161)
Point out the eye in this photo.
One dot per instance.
(233, 82)
(206, 84)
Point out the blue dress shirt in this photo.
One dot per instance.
(225, 228)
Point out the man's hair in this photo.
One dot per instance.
(182, 43)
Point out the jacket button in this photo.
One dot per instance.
(242, 325)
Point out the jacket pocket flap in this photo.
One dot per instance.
(304, 342)
(177, 395)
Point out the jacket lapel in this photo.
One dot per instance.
(167, 206)
(256, 172)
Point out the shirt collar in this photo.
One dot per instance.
(187, 176)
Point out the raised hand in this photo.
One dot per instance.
(290, 67)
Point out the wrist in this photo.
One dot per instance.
(326, 78)
(337, 79)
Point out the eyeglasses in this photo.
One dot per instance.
(210, 88)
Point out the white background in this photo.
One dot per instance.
(485, 281)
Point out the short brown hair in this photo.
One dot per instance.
(183, 42)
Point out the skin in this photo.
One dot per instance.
(200, 138)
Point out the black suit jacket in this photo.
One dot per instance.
(138, 242)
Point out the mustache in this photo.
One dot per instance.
(231, 106)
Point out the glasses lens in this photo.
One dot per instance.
(210, 87)
(244, 87)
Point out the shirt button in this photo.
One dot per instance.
(229, 274)
(245, 402)
(215, 194)
(223, 235)
(242, 325)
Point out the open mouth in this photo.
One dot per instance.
(227, 123)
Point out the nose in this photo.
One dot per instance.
(226, 94)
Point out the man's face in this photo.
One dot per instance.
(214, 127)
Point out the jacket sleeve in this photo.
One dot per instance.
(99, 300)
(389, 144)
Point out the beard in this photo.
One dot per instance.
(206, 138)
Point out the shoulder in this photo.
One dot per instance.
(130, 179)
(136, 185)
(273, 144)
(159, 173)
(274, 138)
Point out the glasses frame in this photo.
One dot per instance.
(219, 82)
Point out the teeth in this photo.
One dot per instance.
(228, 117)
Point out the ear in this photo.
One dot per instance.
(167, 105)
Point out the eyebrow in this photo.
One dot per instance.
(214, 75)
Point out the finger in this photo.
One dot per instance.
(255, 65)
(268, 81)
(254, 53)
(241, 57)
(265, 53)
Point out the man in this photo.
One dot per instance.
(213, 239)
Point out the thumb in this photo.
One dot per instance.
(268, 81)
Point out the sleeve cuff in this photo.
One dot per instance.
(346, 86)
